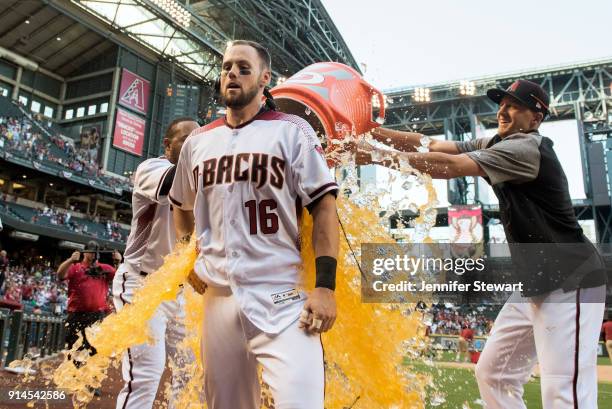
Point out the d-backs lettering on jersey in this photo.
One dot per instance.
(257, 168)
(152, 233)
(246, 187)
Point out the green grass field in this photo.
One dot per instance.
(603, 361)
(458, 387)
(449, 356)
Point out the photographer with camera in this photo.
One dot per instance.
(88, 287)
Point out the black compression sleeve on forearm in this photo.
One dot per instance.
(325, 267)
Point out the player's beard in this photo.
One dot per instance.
(242, 99)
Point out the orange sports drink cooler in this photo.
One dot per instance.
(335, 100)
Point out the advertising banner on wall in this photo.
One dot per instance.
(134, 92)
(129, 132)
(465, 223)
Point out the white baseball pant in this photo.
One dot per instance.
(232, 348)
(143, 365)
(559, 331)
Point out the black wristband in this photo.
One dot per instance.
(325, 267)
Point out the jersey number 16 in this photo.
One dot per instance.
(268, 219)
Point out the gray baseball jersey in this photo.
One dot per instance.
(246, 187)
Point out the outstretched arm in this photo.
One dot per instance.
(409, 141)
(444, 166)
(437, 165)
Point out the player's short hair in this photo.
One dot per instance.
(177, 121)
(262, 51)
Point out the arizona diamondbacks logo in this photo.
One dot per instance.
(513, 87)
(134, 95)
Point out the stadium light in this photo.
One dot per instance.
(280, 80)
(422, 95)
(376, 101)
(467, 88)
(178, 13)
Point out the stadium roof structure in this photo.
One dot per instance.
(51, 40)
(61, 35)
(166, 27)
(434, 109)
(297, 32)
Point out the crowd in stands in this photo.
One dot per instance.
(113, 230)
(109, 230)
(450, 320)
(17, 135)
(80, 160)
(36, 138)
(21, 136)
(59, 217)
(34, 285)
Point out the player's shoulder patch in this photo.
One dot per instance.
(208, 127)
(294, 119)
(312, 141)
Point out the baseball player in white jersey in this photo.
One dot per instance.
(151, 238)
(245, 179)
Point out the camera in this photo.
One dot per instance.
(95, 270)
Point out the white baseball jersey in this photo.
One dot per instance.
(246, 187)
(152, 234)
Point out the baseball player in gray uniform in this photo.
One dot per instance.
(243, 179)
(555, 320)
(151, 238)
